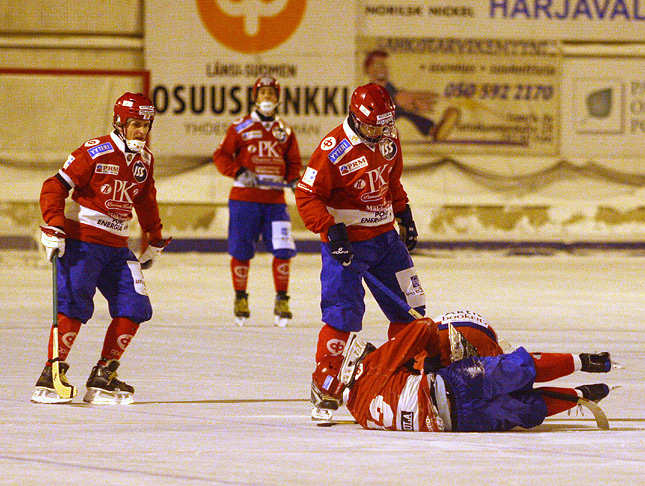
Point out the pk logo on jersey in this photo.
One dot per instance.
(139, 171)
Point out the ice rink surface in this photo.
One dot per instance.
(220, 404)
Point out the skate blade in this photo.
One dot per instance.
(281, 321)
(321, 414)
(48, 396)
(240, 320)
(96, 396)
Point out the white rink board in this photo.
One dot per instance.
(222, 405)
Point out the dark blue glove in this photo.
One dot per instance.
(407, 228)
(341, 248)
(293, 183)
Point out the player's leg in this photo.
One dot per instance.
(122, 283)
(395, 269)
(343, 307)
(550, 366)
(277, 237)
(78, 271)
(244, 226)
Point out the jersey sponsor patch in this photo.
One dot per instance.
(251, 135)
(309, 176)
(339, 152)
(92, 143)
(104, 148)
(107, 169)
(353, 165)
(328, 143)
(70, 159)
(139, 171)
(387, 148)
(244, 125)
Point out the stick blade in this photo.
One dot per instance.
(598, 413)
(64, 390)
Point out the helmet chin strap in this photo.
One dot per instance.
(133, 145)
(267, 108)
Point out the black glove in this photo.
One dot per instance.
(293, 183)
(341, 248)
(407, 228)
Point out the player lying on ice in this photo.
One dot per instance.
(402, 386)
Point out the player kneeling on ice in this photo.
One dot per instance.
(399, 386)
(86, 242)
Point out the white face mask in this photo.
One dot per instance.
(136, 145)
(267, 108)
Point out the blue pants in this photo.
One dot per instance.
(495, 393)
(116, 272)
(247, 221)
(343, 295)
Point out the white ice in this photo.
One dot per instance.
(219, 404)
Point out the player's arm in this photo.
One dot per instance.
(293, 161)
(226, 154)
(312, 194)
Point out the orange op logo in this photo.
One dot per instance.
(251, 26)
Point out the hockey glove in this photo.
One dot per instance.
(407, 228)
(339, 245)
(154, 249)
(246, 177)
(53, 239)
(293, 183)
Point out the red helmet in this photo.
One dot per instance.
(371, 106)
(326, 379)
(133, 105)
(266, 80)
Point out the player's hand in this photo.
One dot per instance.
(246, 177)
(153, 251)
(341, 248)
(53, 239)
(407, 229)
(293, 183)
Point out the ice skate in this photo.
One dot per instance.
(45, 392)
(323, 405)
(354, 353)
(595, 393)
(281, 309)
(596, 363)
(103, 388)
(241, 307)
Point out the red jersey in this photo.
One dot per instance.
(108, 184)
(350, 182)
(268, 148)
(387, 395)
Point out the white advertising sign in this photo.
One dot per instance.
(205, 57)
(575, 20)
(603, 108)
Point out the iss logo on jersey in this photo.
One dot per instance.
(139, 171)
(339, 152)
(353, 165)
(104, 148)
(107, 169)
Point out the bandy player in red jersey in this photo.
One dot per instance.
(110, 177)
(391, 388)
(260, 152)
(351, 194)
